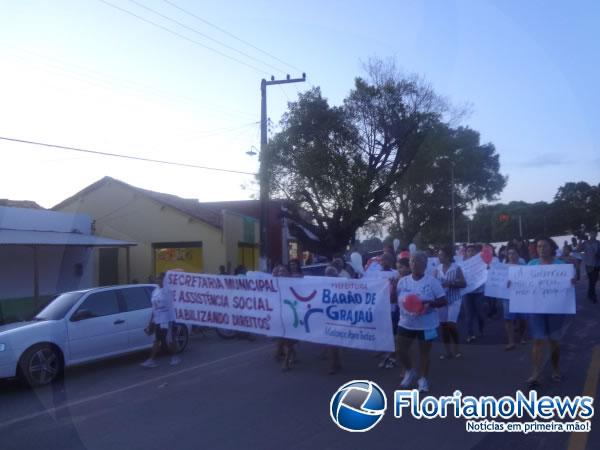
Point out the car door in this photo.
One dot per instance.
(97, 327)
(138, 309)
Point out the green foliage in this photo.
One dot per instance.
(574, 204)
(422, 200)
(339, 163)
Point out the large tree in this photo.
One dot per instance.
(339, 163)
(421, 201)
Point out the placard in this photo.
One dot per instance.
(496, 285)
(544, 289)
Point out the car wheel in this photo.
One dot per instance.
(41, 365)
(180, 337)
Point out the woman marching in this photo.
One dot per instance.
(285, 352)
(512, 319)
(419, 295)
(545, 326)
(453, 280)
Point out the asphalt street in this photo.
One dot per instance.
(232, 395)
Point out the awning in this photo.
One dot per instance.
(32, 237)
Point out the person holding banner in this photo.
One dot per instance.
(333, 352)
(161, 324)
(512, 319)
(453, 280)
(418, 296)
(545, 326)
(474, 300)
(286, 353)
(387, 264)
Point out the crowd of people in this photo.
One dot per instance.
(440, 294)
(426, 304)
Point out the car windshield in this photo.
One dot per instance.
(58, 308)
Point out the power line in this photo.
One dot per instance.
(206, 36)
(117, 155)
(97, 78)
(231, 35)
(168, 30)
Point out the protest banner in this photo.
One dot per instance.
(475, 272)
(333, 311)
(496, 285)
(545, 289)
(232, 302)
(338, 311)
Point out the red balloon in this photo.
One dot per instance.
(413, 304)
(487, 254)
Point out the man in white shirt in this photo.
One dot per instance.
(161, 324)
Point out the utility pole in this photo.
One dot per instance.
(263, 173)
(453, 215)
(520, 227)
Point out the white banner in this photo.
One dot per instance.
(496, 285)
(475, 272)
(545, 289)
(334, 311)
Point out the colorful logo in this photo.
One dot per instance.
(293, 304)
(358, 406)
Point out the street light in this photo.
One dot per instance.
(253, 151)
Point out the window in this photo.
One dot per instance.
(59, 307)
(136, 298)
(180, 255)
(101, 304)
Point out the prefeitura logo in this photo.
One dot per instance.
(358, 406)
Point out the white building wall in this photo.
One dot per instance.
(56, 270)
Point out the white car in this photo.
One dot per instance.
(78, 327)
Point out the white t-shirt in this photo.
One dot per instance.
(427, 289)
(162, 308)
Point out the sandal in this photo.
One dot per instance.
(447, 356)
(510, 347)
(557, 377)
(532, 384)
(458, 355)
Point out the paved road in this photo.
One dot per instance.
(231, 395)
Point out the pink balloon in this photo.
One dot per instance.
(487, 254)
(413, 304)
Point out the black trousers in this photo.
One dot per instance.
(592, 273)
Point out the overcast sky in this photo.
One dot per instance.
(82, 73)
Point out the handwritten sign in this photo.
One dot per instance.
(334, 311)
(544, 289)
(475, 271)
(497, 280)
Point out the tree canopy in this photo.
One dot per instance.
(340, 163)
(421, 201)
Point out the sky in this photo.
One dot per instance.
(86, 74)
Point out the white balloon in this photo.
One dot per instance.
(412, 248)
(396, 245)
(356, 261)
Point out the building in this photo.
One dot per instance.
(44, 253)
(170, 232)
(283, 246)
